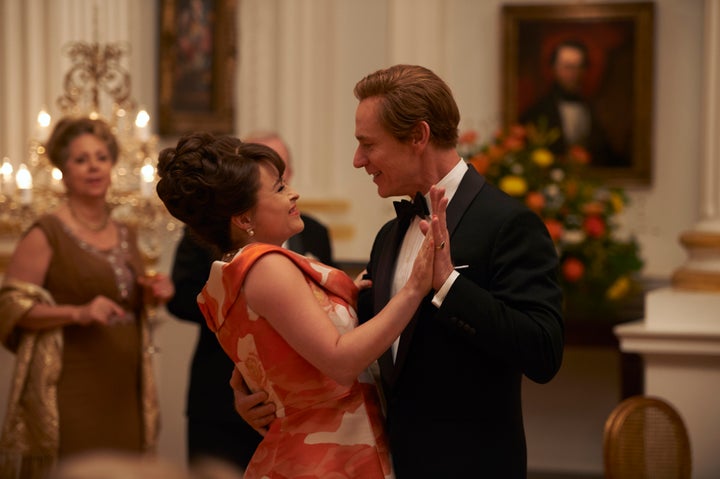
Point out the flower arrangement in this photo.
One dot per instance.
(597, 265)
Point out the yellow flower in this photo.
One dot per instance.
(542, 157)
(513, 185)
(617, 202)
(619, 289)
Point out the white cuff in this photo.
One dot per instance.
(443, 291)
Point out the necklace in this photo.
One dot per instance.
(94, 227)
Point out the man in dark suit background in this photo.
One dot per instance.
(452, 382)
(214, 429)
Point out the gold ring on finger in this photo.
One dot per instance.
(440, 246)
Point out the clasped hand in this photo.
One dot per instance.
(437, 238)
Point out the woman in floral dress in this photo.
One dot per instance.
(287, 321)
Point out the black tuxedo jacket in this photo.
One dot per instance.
(453, 394)
(209, 394)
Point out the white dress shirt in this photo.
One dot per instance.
(413, 240)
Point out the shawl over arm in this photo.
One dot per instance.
(31, 420)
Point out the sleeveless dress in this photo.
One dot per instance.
(99, 393)
(323, 429)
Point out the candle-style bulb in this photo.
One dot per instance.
(147, 180)
(44, 118)
(56, 180)
(142, 125)
(24, 182)
(6, 172)
(43, 125)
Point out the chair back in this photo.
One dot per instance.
(645, 437)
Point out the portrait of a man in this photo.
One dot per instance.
(582, 75)
(567, 108)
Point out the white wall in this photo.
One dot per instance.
(298, 63)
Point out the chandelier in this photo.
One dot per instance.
(96, 85)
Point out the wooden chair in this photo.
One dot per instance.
(645, 438)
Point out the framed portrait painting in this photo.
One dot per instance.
(197, 63)
(583, 74)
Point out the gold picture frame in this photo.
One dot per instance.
(197, 62)
(618, 44)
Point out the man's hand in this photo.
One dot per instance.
(252, 407)
(437, 226)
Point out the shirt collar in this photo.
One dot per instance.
(450, 182)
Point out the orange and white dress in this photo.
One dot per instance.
(323, 429)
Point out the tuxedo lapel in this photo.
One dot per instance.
(470, 185)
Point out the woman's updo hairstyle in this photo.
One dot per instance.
(68, 128)
(206, 180)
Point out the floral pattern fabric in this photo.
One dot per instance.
(323, 429)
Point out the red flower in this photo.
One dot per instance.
(593, 208)
(573, 269)
(594, 226)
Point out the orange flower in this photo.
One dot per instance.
(468, 137)
(495, 152)
(571, 188)
(593, 208)
(512, 143)
(554, 227)
(535, 201)
(481, 162)
(573, 269)
(579, 155)
(518, 131)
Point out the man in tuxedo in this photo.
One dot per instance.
(214, 430)
(452, 381)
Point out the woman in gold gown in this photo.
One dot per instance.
(72, 310)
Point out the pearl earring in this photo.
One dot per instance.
(250, 232)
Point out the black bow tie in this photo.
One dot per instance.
(405, 209)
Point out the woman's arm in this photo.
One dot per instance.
(29, 263)
(299, 319)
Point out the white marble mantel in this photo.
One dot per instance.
(676, 322)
